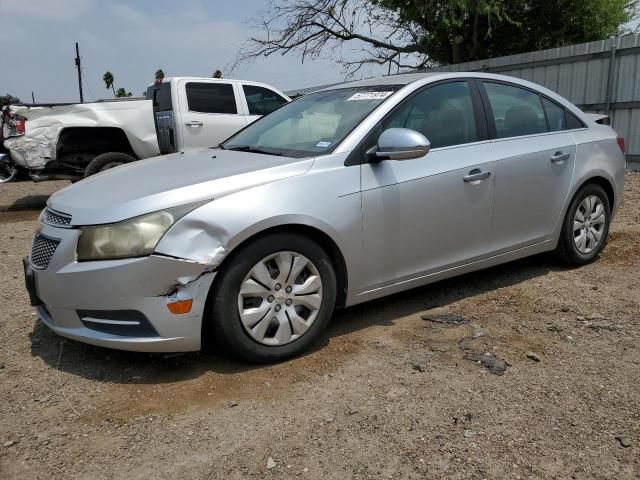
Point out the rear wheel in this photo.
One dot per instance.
(586, 226)
(107, 161)
(273, 299)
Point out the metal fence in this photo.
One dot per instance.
(601, 77)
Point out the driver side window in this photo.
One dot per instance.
(443, 113)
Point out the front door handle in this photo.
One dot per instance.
(476, 175)
(560, 157)
(194, 123)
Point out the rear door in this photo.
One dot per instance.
(535, 156)
(210, 112)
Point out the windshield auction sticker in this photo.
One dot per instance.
(369, 96)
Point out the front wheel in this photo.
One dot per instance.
(586, 226)
(273, 299)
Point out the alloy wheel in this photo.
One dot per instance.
(280, 298)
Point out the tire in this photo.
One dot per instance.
(568, 250)
(223, 322)
(106, 161)
(8, 172)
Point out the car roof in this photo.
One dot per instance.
(401, 79)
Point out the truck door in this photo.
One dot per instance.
(210, 112)
(261, 101)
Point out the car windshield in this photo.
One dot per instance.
(314, 124)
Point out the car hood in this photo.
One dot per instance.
(168, 181)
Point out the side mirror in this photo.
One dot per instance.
(401, 144)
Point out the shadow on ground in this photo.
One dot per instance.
(28, 202)
(118, 367)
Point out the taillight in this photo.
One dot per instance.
(20, 124)
(620, 141)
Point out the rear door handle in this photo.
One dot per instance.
(560, 157)
(194, 123)
(476, 175)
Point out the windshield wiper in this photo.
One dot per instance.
(249, 148)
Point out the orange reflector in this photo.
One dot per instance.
(180, 307)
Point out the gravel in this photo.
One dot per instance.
(77, 411)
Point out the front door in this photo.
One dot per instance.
(210, 112)
(425, 215)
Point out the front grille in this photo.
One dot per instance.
(56, 219)
(42, 250)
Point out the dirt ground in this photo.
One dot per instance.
(384, 394)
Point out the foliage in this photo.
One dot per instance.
(122, 93)
(108, 80)
(419, 33)
(8, 99)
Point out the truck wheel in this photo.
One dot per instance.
(106, 161)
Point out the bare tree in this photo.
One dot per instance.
(313, 28)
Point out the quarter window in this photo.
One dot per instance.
(211, 97)
(442, 113)
(555, 116)
(262, 101)
(516, 111)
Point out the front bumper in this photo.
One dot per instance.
(89, 301)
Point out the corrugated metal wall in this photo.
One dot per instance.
(581, 73)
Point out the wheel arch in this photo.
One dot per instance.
(606, 185)
(98, 140)
(313, 233)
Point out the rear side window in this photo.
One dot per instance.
(442, 113)
(572, 121)
(555, 116)
(516, 111)
(262, 101)
(160, 94)
(211, 97)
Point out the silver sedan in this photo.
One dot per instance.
(342, 196)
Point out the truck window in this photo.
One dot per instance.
(262, 100)
(160, 94)
(211, 97)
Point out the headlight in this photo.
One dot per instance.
(136, 237)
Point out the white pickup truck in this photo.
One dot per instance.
(71, 141)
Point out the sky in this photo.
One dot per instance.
(132, 40)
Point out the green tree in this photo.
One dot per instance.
(108, 79)
(8, 99)
(419, 33)
(122, 93)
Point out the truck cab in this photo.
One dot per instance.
(202, 112)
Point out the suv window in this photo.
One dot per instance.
(262, 101)
(211, 97)
(442, 113)
(516, 111)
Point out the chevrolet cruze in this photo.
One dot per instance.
(342, 196)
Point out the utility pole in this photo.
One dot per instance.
(33, 98)
(78, 66)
